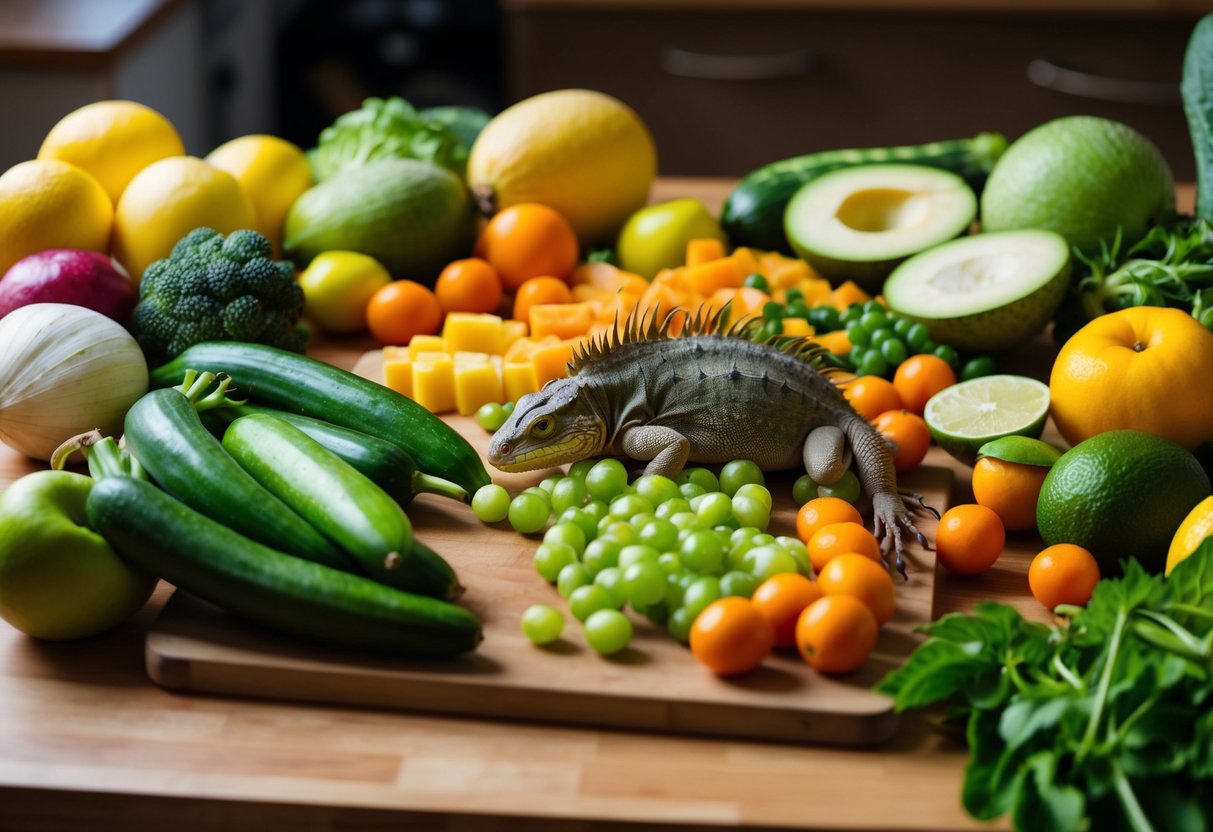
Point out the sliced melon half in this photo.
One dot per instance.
(984, 293)
(858, 223)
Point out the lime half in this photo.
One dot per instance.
(967, 415)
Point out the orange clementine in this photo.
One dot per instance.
(1063, 574)
(469, 285)
(871, 396)
(528, 240)
(969, 539)
(822, 511)
(731, 636)
(1011, 489)
(862, 578)
(836, 539)
(402, 309)
(539, 291)
(781, 598)
(920, 377)
(1122, 370)
(836, 634)
(909, 433)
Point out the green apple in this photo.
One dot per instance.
(1082, 177)
(337, 286)
(656, 237)
(58, 578)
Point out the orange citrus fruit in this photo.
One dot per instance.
(835, 539)
(909, 433)
(1063, 574)
(781, 598)
(539, 291)
(871, 396)
(1010, 489)
(526, 241)
(836, 634)
(469, 285)
(822, 511)
(1122, 370)
(731, 636)
(969, 539)
(862, 578)
(402, 309)
(920, 377)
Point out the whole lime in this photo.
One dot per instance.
(1120, 494)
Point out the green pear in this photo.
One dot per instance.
(58, 578)
(656, 237)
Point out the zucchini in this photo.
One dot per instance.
(753, 212)
(165, 434)
(1197, 90)
(168, 539)
(386, 464)
(341, 503)
(298, 384)
(427, 573)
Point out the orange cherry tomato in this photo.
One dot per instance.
(731, 636)
(781, 598)
(836, 539)
(528, 240)
(969, 539)
(402, 309)
(920, 377)
(469, 285)
(822, 511)
(871, 396)
(1010, 488)
(862, 578)
(836, 634)
(911, 435)
(1063, 574)
(539, 291)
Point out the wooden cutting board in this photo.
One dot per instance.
(656, 684)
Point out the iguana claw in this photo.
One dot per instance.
(890, 517)
(916, 502)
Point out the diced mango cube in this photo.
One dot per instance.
(474, 332)
(425, 343)
(746, 261)
(552, 361)
(434, 382)
(524, 348)
(704, 250)
(796, 326)
(789, 274)
(837, 342)
(476, 383)
(706, 278)
(511, 331)
(564, 320)
(847, 294)
(398, 370)
(518, 379)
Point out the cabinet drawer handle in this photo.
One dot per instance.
(1052, 76)
(686, 64)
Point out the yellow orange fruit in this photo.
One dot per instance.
(48, 204)
(272, 171)
(1010, 489)
(1063, 574)
(1197, 526)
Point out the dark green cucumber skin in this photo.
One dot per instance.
(164, 432)
(753, 212)
(1197, 89)
(342, 504)
(296, 383)
(428, 573)
(282, 592)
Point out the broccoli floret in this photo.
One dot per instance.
(216, 288)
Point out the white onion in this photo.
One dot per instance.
(64, 370)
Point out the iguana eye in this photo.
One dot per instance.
(543, 428)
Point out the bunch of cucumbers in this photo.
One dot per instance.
(293, 518)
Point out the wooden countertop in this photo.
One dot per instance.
(86, 741)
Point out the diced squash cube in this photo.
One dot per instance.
(426, 343)
(746, 261)
(511, 331)
(398, 370)
(621, 306)
(797, 326)
(564, 320)
(583, 293)
(815, 290)
(847, 294)
(789, 274)
(524, 348)
(434, 382)
(706, 278)
(474, 332)
(552, 361)
(608, 278)
(519, 379)
(704, 250)
(661, 296)
(748, 301)
(476, 383)
(837, 342)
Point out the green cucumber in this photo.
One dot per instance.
(299, 384)
(1197, 90)
(165, 433)
(753, 212)
(386, 464)
(341, 503)
(168, 539)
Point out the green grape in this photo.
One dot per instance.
(670, 563)
(687, 520)
(600, 554)
(679, 624)
(793, 294)
(879, 337)
(893, 351)
(549, 483)
(610, 580)
(874, 319)
(541, 494)
(901, 327)
(772, 310)
(702, 592)
(799, 552)
(639, 521)
(714, 508)
(657, 613)
(661, 534)
(737, 473)
(701, 477)
(977, 367)
(580, 518)
(674, 590)
(491, 416)
(572, 576)
(756, 491)
(741, 584)
(847, 488)
(769, 330)
(528, 513)
(948, 354)
(606, 479)
(508, 407)
(929, 347)
(702, 552)
(542, 624)
(765, 561)
(550, 558)
(491, 503)
(569, 534)
(873, 305)
(825, 318)
(853, 313)
(637, 553)
(626, 505)
(586, 600)
(581, 468)
(608, 631)
(872, 364)
(690, 490)
(858, 334)
(727, 527)
(917, 336)
(569, 492)
(751, 511)
(644, 583)
(743, 534)
(596, 509)
(804, 489)
(619, 531)
(671, 507)
(656, 488)
(755, 281)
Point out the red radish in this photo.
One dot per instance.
(82, 278)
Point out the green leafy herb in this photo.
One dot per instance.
(1103, 724)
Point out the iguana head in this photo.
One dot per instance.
(551, 427)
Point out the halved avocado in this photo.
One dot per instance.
(859, 223)
(984, 293)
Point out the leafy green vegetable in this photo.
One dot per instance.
(383, 129)
(1104, 724)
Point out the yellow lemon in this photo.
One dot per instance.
(337, 286)
(272, 171)
(584, 153)
(167, 200)
(51, 204)
(112, 140)
(1191, 533)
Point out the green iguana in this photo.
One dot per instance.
(709, 395)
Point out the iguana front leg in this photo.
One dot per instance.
(665, 449)
(826, 455)
(876, 472)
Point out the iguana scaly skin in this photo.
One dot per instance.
(705, 396)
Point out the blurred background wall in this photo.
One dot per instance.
(725, 86)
